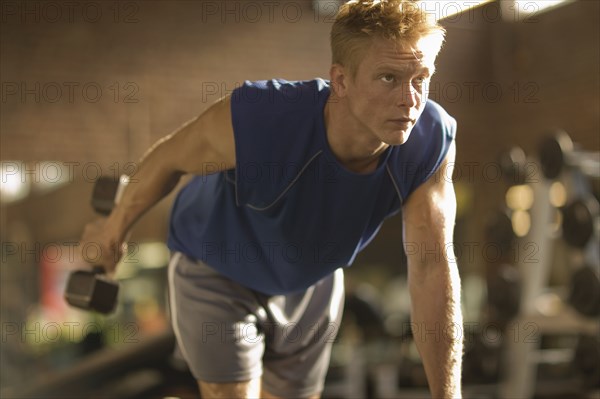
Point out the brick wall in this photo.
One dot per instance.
(160, 63)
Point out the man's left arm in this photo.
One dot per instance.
(434, 282)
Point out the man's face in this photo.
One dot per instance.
(389, 91)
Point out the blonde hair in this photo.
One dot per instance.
(359, 21)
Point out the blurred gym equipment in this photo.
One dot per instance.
(531, 366)
(504, 293)
(137, 371)
(579, 217)
(585, 291)
(513, 164)
(587, 360)
(557, 152)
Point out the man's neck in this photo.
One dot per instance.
(353, 145)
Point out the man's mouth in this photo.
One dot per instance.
(402, 120)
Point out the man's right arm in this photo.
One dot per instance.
(203, 145)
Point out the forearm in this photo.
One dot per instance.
(437, 325)
(152, 182)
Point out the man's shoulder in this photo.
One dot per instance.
(280, 87)
(276, 103)
(435, 115)
(436, 111)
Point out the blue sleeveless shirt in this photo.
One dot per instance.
(289, 213)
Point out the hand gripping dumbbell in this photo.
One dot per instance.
(557, 151)
(92, 289)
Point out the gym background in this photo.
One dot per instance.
(87, 87)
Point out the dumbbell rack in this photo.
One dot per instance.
(523, 352)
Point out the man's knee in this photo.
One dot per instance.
(233, 390)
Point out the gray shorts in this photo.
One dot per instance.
(227, 332)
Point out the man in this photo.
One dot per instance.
(292, 180)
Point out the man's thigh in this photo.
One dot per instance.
(215, 323)
(226, 332)
(299, 337)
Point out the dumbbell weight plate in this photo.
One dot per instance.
(552, 152)
(104, 194)
(578, 221)
(585, 291)
(91, 290)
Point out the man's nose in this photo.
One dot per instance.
(408, 96)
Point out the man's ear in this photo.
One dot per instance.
(339, 79)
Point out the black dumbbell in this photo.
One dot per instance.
(92, 289)
(578, 218)
(104, 194)
(557, 151)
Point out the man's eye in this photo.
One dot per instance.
(420, 80)
(387, 78)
